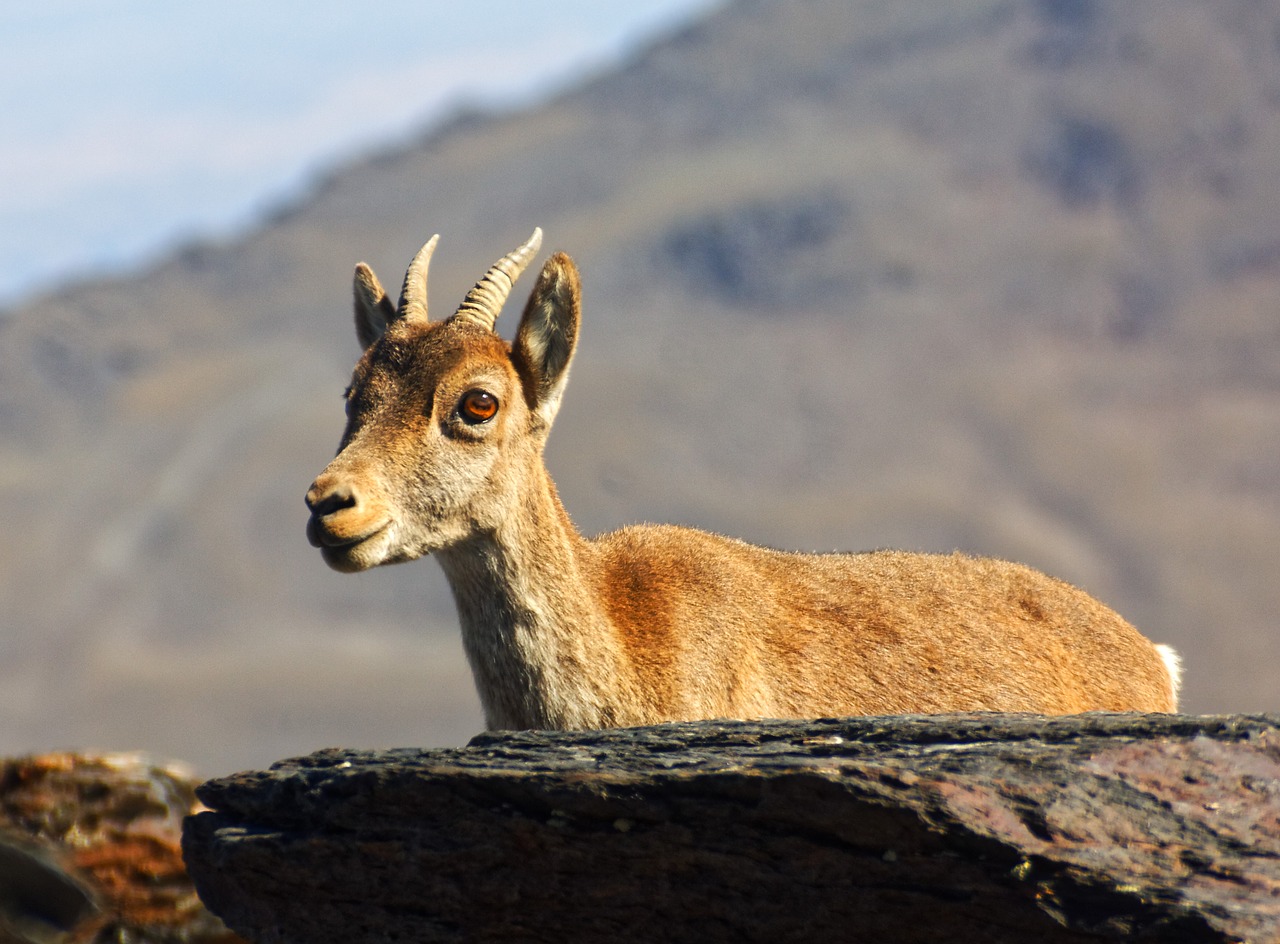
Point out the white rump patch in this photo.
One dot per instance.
(1173, 663)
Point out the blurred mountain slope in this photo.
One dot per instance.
(998, 275)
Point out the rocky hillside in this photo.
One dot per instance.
(999, 275)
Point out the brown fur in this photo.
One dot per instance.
(658, 623)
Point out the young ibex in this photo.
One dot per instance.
(442, 454)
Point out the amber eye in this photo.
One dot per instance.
(478, 406)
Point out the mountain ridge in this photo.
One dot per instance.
(1000, 277)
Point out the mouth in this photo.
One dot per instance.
(349, 554)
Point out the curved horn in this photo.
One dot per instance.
(413, 294)
(484, 301)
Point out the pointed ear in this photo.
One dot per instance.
(373, 309)
(548, 335)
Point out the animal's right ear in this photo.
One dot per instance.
(373, 309)
(548, 334)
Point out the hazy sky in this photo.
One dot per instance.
(132, 124)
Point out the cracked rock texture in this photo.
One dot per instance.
(951, 828)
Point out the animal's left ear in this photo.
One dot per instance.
(373, 309)
(548, 335)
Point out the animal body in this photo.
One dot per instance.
(443, 454)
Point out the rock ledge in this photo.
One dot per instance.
(946, 828)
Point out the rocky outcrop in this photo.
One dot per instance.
(957, 828)
(89, 853)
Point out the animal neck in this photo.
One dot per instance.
(542, 652)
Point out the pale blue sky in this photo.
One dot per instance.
(134, 124)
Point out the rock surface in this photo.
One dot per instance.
(89, 852)
(958, 828)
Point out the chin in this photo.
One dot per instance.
(362, 555)
(353, 558)
(345, 560)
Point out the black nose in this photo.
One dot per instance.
(324, 498)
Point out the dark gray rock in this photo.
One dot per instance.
(957, 828)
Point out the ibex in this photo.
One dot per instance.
(443, 454)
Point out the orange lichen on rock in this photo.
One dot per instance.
(90, 848)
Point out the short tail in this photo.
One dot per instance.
(1173, 663)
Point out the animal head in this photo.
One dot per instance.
(445, 420)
